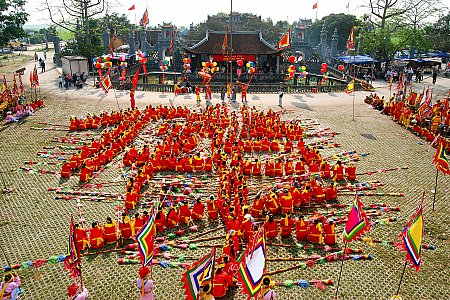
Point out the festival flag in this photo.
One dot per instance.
(225, 42)
(106, 83)
(350, 87)
(419, 98)
(144, 21)
(351, 39)
(401, 83)
(172, 41)
(21, 84)
(357, 222)
(35, 77)
(199, 272)
(146, 239)
(72, 262)
(445, 107)
(15, 90)
(441, 160)
(391, 79)
(315, 5)
(132, 7)
(253, 266)
(134, 81)
(411, 239)
(285, 41)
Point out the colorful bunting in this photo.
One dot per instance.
(146, 239)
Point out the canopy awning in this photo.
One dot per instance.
(358, 59)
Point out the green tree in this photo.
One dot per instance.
(118, 25)
(438, 33)
(12, 17)
(342, 22)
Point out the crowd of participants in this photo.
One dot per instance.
(429, 122)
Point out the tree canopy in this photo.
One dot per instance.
(12, 17)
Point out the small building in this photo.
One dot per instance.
(247, 46)
(74, 64)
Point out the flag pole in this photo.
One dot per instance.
(340, 272)
(401, 278)
(354, 83)
(317, 8)
(231, 45)
(435, 186)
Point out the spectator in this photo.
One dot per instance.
(42, 66)
(60, 81)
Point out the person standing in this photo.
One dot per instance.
(280, 97)
(42, 66)
(434, 74)
(145, 285)
(222, 93)
(60, 81)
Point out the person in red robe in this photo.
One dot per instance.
(331, 192)
(160, 221)
(271, 228)
(198, 210)
(329, 233)
(66, 170)
(172, 217)
(301, 229)
(350, 172)
(287, 202)
(338, 171)
(184, 213)
(126, 231)
(286, 225)
(315, 232)
(257, 207)
(213, 212)
(81, 237)
(96, 236)
(221, 283)
(137, 224)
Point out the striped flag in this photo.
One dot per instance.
(199, 272)
(253, 266)
(146, 239)
(412, 239)
(72, 262)
(285, 41)
(441, 160)
(357, 222)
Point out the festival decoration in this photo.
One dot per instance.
(201, 271)
(341, 68)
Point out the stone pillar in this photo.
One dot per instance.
(105, 39)
(334, 43)
(143, 39)
(323, 41)
(132, 43)
(278, 65)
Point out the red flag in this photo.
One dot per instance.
(72, 262)
(351, 39)
(315, 6)
(441, 160)
(132, 8)
(135, 79)
(285, 41)
(35, 76)
(144, 21)
(225, 42)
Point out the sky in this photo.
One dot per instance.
(183, 13)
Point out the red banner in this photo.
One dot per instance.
(244, 57)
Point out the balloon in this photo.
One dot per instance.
(247, 65)
(108, 58)
(99, 59)
(185, 60)
(322, 71)
(188, 60)
(98, 65)
(341, 68)
(324, 66)
(122, 58)
(303, 68)
(252, 64)
(292, 58)
(203, 64)
(240, 63)
(214, 64)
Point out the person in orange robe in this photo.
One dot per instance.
(325, 170)
(138, 223)
(329, 233)
(96, 236)
(271, 203)
(256, 168)
(220, 283)
(275, 145)
(288, 168)
(257, 207)
(172, 217)
(247, 228)
(81, 237)
(301, 229)
(110, 230)
(315, 232)
(271, 228)
(131, 198)
(286, 225)
(198, 210)
(286, 202)
(319, 193)
(278, 168)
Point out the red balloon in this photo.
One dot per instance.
(99, 59)
(323, 71)
(291, 58)
(188, 60)
(108, 58)
(324, 66)
(341, 68)
(98, 65)
(240, 63)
